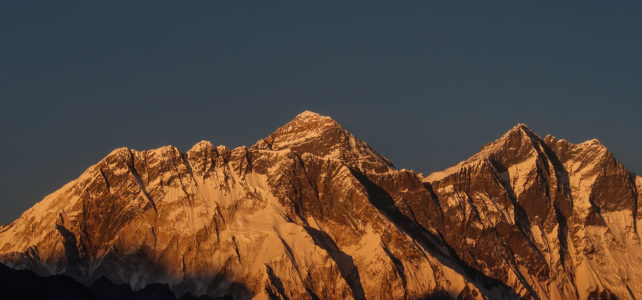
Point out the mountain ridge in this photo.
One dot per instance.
(311, 211)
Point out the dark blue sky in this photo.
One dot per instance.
(425, 83)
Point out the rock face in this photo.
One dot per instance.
(311, 212)
(550, 218)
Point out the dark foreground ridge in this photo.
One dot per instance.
(24, 284)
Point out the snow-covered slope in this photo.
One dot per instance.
(562, 218)
(311, 212)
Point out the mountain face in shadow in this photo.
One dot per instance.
(312, 212)
(25, 284)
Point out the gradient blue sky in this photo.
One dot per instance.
(425, 83)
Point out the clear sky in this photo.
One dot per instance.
(425, 83)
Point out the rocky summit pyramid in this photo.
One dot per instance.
(311, 212)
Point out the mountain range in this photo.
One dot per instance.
(312, 212)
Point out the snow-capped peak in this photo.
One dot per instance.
(309, 114)
(521, 126)
(322, 136)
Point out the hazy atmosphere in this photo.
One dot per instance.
(425, 84)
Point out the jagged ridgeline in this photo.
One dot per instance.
(311, 212)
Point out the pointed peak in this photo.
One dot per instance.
(521, 127)
(118, 154)
(512, 147)
(304, 127)
(520, 132)
(309, 114)
(518, 141)
(322, 136)
(308, 123)
(312, 118)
